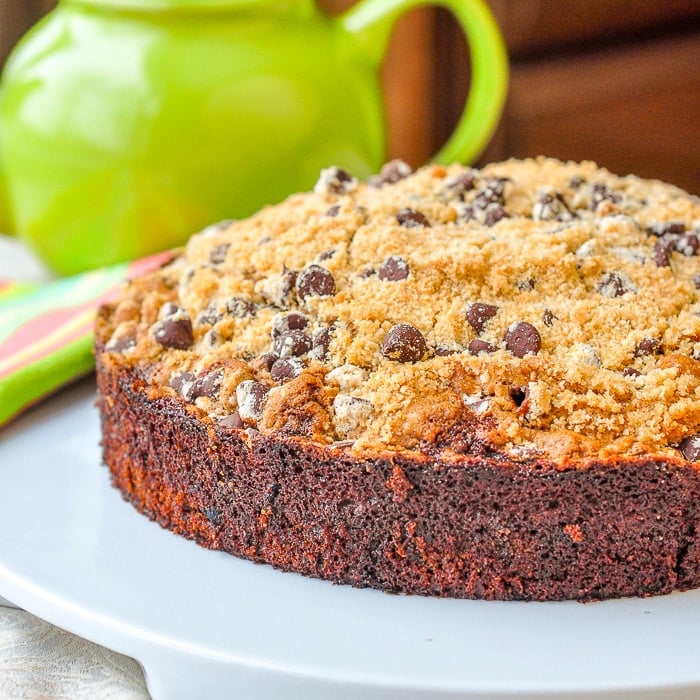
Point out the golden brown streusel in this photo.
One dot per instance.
(538, 308)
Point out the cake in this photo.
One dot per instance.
(474, 383)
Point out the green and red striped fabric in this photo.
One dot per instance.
(46, 330)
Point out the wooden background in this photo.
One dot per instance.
(616, 81)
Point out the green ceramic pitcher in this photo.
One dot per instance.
(125, 125)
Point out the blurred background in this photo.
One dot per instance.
(615, 81)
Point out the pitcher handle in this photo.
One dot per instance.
(371, 22)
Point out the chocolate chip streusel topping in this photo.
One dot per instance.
(533, 308)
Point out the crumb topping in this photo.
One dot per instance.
(537, 309)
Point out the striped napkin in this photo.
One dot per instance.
(46, 330)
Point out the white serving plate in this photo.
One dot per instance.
(205, 624)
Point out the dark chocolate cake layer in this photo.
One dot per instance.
(470, 528)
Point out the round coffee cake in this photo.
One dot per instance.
(454, 382)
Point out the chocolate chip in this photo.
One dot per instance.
(631, 372)
(687, 244)
(233, 420)
(467, 213)
(494, 213)
(333, 211)
(614, 284)
(292, 321)
(404, 343)
(391, 173)
(522, 338)
(286, 368)
(551, 206)
(492, 193)
(647, 346)
(181, 381)
(335, 180)
(123, 344)
(462, 183)
(487, 206)
(292, 344)
(696, 280)
(690, 447)
(476, 346)
(519, 394)
(315, 281)
(210, 316)
(251, 397)
(267, 359)
(441, 351)
(479, 313)
(326, 254)
(665, 227)
(238, 307)
(548, 318)
(602, 193)
(321, 342)
(174, 332)
(218, 253)
(393, 269)
(662, 252)
(411, 218)
(207, 384)
(575, 182)
(486, 197)
(192, 387)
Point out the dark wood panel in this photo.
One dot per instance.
(534, 26)
(634, 109)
